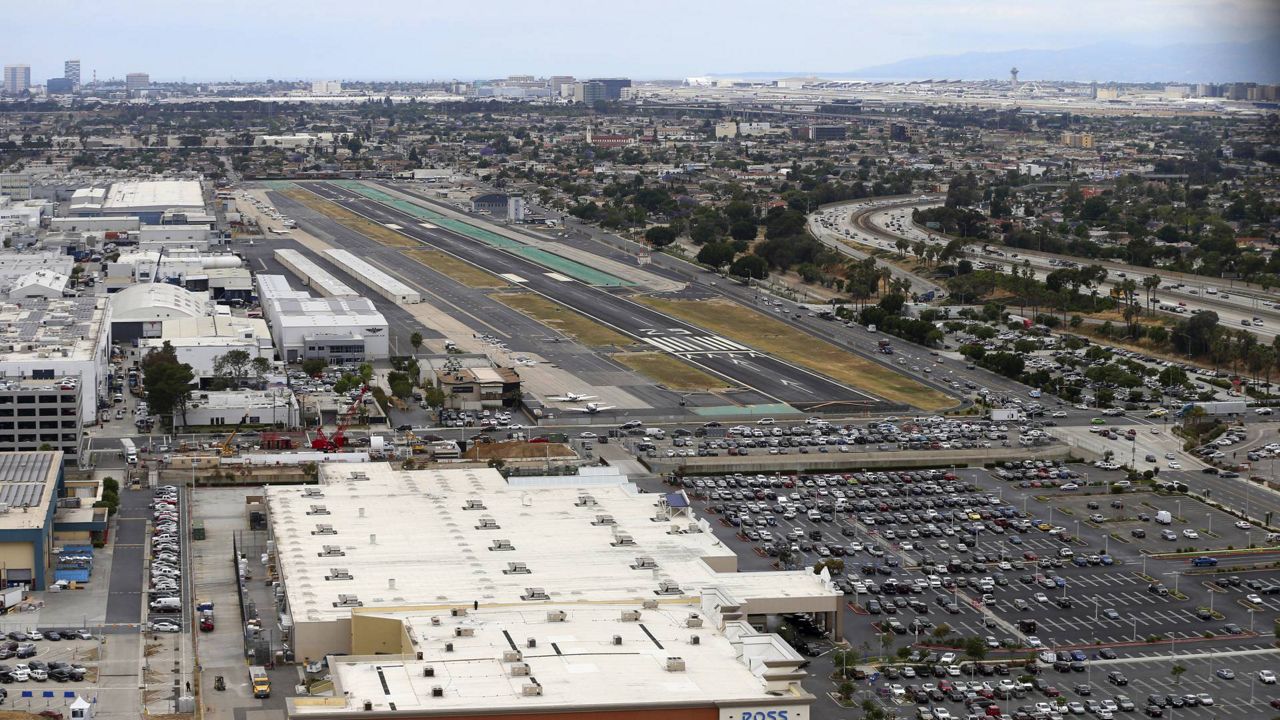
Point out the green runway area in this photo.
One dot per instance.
(278, 184)
(549, 260)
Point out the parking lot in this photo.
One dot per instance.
(988, 552)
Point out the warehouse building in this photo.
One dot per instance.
(47, 339)
(380, 282)
(386, 540)
(339, 331)
(276, 408)
(150, 200)
(200, 341)
(312, 275)
(29, 486)
(139, 311)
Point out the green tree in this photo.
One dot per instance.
(975, 647)
(416, 340)
(232, 368)
(716, 254)
(660, 235)
(1176, 671)
(750, 266)
(168, 382)
(314, 366)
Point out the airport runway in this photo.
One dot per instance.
(741, 365)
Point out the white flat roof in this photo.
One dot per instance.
(369, 274)
(390, 524)
(154, 195)
(314, 275)
(575, 663)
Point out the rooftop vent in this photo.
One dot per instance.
(693, 621)
(512, 656)
(649, 604)
(458, 612)
(675, 664)
(520, 669)
(437, 691)
(488, 523)
(535, 593)
(516, 568)
(585, 500)
(604, 520)
(331, 551)
(358, 475)
(338, 574)
(617, 639)
(531, 689)
(621, 539)
(556, 616)
(695, 640)
(318, 510)
(474, 505)
(322, 529)
(644, 563)
(668, 587)
(661, 516)
(630, 616)
(502, 545)
(312, 493)
(464, 632)
(428, 671)
(345, 600)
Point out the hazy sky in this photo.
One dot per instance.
(429, 39)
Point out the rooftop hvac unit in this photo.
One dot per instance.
(338, 574)
(358, 475)
(693, 527)
(556, 616)
(448, 647)
(437, 691)
(428, 671)
(502, 545)
(346, 600)
(621, 539)
(331, 551)
(604, 520)
(645, 563)
(458, 612)
(512, 656)
(695, 640)
(668, 587)
(520, 669)
(464, 632)
(630, 616)
(324, 530)
(617, 639)
(585, 500)
(474, 505)
(318, 510)
(535, 593)
(531, 689)
(531, 642)
(312, 493)
(649, 604)
(435, 620)
(516, 568)
(487, 523)
(693, 621)
(661, 516)
(675, 664)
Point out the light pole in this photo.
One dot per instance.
(1210, 528)
(1134, 618)
(1250, 620)
(1179, 501)
(1095, 608)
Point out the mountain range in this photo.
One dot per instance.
(1255, 61)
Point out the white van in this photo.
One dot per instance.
(167, 604)
(656, 433)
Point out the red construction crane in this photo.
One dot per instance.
(334, 442)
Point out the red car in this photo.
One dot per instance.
(206, 625)
(1028, 555)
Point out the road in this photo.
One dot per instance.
(741, 365)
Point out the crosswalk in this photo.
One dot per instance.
(686, 344)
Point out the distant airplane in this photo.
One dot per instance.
(591, 408)
(571, 397)
(279, 232)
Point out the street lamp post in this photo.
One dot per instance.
(1210, 527)
(1135, 627)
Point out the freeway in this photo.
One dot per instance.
(881, 222)
(740, 364)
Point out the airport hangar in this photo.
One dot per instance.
(452, 593)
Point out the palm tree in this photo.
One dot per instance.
(1150, 282)
(1176, 671)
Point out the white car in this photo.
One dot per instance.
(1254, 598)
(165, 626)
(1175, 465)
(1190, 534)
(1267, 677)
(1243, 525)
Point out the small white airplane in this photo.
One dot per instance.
(592, 408)
(571, 397)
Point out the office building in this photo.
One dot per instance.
(149, 200)
(1083, 141)
(500, 205)
(824, 133)
(15, 186)
(449, 593)
(55, 338)
(29, 486)
(326, 87)
(71, 71)
(612, 86)
(898, 133)
(37, 414)
(17, 79)
(589, 93)
(276, 408)
(557, 83)
(59, 86)
(137, 82)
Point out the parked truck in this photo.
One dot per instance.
(260, 681)
(1222, 408)
(1007, 415)
(886, 347)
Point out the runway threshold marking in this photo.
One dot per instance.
(393, 226)
(695, 344)
(512, 277)
(558, 277)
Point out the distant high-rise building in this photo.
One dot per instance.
(17, 79)
(59, 86)
(71, 71)
(589, 92)
(1084, 141)
(326, 87)
(822, 133)
(556, 82)
(612, 86)
(135, 82)
(898, 133)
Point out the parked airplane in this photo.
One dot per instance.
(571, 397)
(592, 408)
